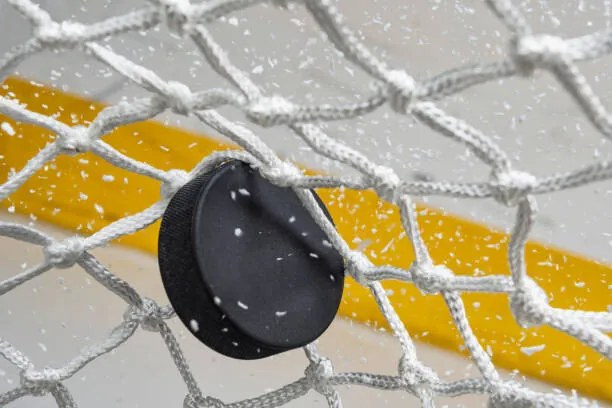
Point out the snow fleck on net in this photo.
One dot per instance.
(511, 187)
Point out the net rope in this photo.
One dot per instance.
(528, 52)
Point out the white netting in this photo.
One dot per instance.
(407, 96)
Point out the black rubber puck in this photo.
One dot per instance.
(245, 266)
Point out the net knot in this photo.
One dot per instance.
(65, 253)
(173, 180)
(76, 140)
(511, 186)
(178, 15)
(539, 51)
(417, 377)
(39, 382)
(66, 32)
(283, 174)
(431, 279)
(318, 374)
(271, 111)
(179, 98)
(357, 265)
(528, 302)
(401, 90)
(386, 183)
(149, 314)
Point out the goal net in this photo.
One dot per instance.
(528, 52)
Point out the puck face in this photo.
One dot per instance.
(245, 266)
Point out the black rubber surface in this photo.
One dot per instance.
(245, 266)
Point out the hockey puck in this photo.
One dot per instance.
(245, 266)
